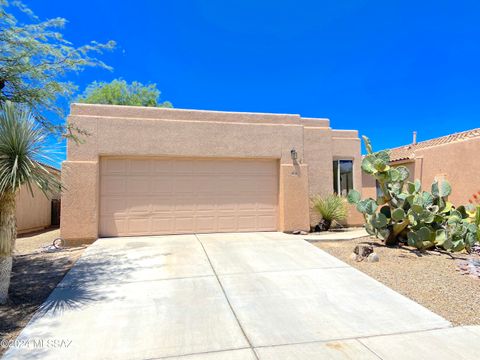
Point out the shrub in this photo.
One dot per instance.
(405, 213)
(332, 208)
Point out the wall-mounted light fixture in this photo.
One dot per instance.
(293, 154)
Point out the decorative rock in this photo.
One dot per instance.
(354, 257)
(299, 232)
(373, 257)
(363, 250)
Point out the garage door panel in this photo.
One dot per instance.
(184, 224)
(162, 225)
(227, 222)
(138, 205)
(184, 203)
(265, 222)
(139, 167)
(137, 225)
(114, 206)
(266, 203)
(162, 204)
(114, 166)
(161, 184)
(265, 184)
(184, 167)
(206, 185)
(247, 202)
(112, 185)
(183, 184)
(166, 196)
(205, 204)
(206, 223)
(163, 166)
(138, 185)
(113, 226)
(228, 203)
(247, 223)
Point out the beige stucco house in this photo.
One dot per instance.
(35, 212)
(150, 171)
(453, 157)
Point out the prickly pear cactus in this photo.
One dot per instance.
(404, 212)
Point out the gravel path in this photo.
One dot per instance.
(430, 279)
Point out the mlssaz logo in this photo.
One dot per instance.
(36, 343)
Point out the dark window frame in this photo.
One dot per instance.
(338, 184)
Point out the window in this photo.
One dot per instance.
(342, 176)
(379, 189)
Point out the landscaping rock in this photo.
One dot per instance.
(299, 232)
(355, 257)
(363, 250)
(373, 257)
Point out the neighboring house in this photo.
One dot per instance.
(453, 157)
(36, 212)
(152, 171)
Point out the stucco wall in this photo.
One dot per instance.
(33, 212)
(137, 131)
(320, 154)
(457, 162)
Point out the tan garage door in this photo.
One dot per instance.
(153, 196)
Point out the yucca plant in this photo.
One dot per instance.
(22, 151)
(332, 208)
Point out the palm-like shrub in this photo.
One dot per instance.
(332, 208)
(22, 151)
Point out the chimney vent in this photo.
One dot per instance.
(414, 138)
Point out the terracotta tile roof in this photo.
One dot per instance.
(408, 151)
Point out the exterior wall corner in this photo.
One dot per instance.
(79, 221)
(293, 198)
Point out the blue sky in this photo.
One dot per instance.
(386, 68)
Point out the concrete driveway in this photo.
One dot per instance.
(267, 296)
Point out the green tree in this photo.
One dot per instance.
(23, 149)
(119, 92)
(34, 59)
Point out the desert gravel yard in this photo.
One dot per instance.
(35, 274)
(431, 279)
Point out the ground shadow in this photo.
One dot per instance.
(37, 232)
(36, 275)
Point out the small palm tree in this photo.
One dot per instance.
(22, 151)
(332, 209)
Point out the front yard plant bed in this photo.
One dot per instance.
(34, 276)
(431, 278)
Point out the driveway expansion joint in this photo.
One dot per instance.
(358, 338)
(228, 300)
(199, 353)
